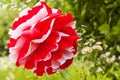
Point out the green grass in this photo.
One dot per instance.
(19, 73)
(75, 72)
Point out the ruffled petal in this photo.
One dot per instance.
(43, 40)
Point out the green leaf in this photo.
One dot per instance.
(111, 6)
(118, 48)
(115, 30)
(104, 29)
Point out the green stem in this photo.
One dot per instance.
(63, 76)
(47, 78)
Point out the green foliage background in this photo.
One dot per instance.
(96, 19)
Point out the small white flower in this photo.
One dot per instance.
(107, 53)
(86, 43)
(99, 69)
(102, 56)
(20, 9)
(80, 39)
(42, 0)
(98, 42)
(113, 58)
(4, 6)
(98, 47)
(86, 50)
(28, 1)
(13, 7)
(92, 40)
(4, 61)
(8, 78)
(119, 57)
(111, 48)
(11, 74)
(83, 25)
(80, 34)
(110, 60)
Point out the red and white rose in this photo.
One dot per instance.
(43, 39)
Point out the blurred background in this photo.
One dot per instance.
(98, 24)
